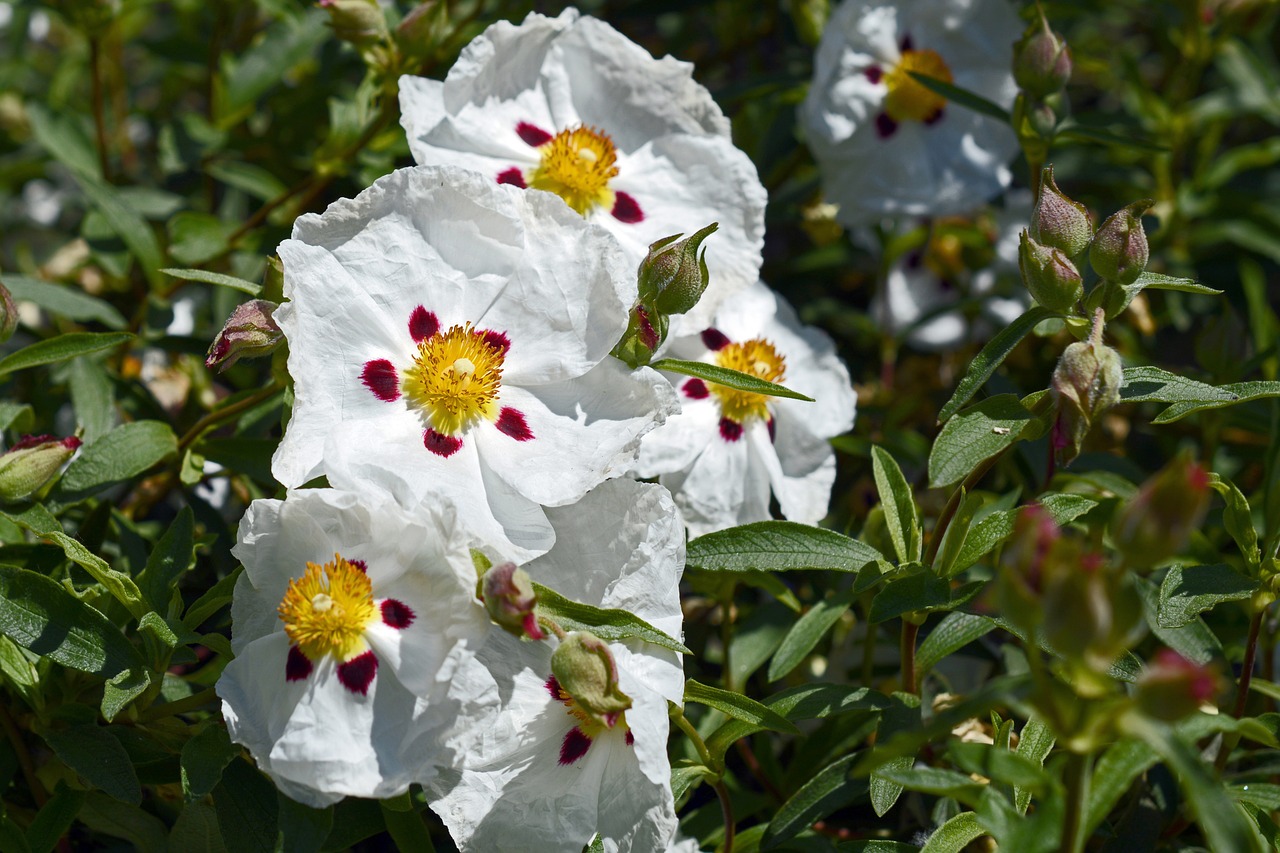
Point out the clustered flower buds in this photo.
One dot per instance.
(250, 332)
(1157, 523)
(1119, 252)
(1022, 565)
(31, 463)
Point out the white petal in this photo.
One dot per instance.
(677, 443)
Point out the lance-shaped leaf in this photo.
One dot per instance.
(92, 752)
(217, 278)
(121, 454)
(61, 348)
(605, 623)
(1190, 591)
(991, 357)
(64, 300)
(954, 632)
(1237, 518)
(808, 630)
(774, 546)
(738, 706)
(955, 835)
(729, 378)
(831, 788)
(957, 95)
(1188, 396)
(899, 505)
(975, 435)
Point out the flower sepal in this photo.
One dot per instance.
(1050, 276)
(250, 332)
(1120, 251)
(32, 462)
(508, 595)
(586, 670)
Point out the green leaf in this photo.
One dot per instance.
(777, 546)
(62, 138)
(920, 590)
(935, 781)
(1187, 395)
(217, 278)
(303, 828)
(64, 300)
(92, 752)
(132, 229)
(954, 632)
(204, 757)
(956, 533)
(118, 692)
(174, 554)
(247, 811)
(145, 831)
(1188, 592)
(1156, 281)
(728, 378)
(738, 706)
(61, 348)
(1080, 133)
(955, 835)
(808, 630)
(252, 73)
(93, 398)
(196, 830)
(999, 764)
(607, 624)
(17, 415)
(995, 352)
(126, 451)
(1034, 744)
(831, 788)
(900, 716)
(248, 178)
(974, 436)
(407, 830)
(197, 237)
(963, 97)
(53, 819)
(1237, 518)
(214, 599)
(1194, 641)
(996, 527)
(899, 505)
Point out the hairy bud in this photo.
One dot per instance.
(1050, 276)
(1022, 565)
(585, 668)
(31, 463)
(361, 22)
(1119, 252)
(673, 275)
(1086, 383)
(1092, 612)
(1041, 61)
(250, 332)
(507, 593)
(1157, 523)
(1060, 222)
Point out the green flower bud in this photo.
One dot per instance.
(673, 275)
(31, 463)
(1042, 118)
(646, 330)
(250, 332)
(809, 17)
(1060, 222)
(1041, 61)
(361, 22)
(1119, 252)
(507, 593)
(585, 668)
(8, 314)
(1157, 523)
(1086, 383)
(1173, 687)
(1050, 276)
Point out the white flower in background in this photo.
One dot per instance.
(933, 296)
(349, 622)
(887, 145)
(545, 775)
(450, 336)
(727, 450)
(572, 106)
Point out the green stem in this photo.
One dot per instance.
(683, 724)
(868, 653)
(225, 413)
(726, 639)
(1078, 772)
(1229, 741)
(179, 706)
(907, 648)
(726, 811)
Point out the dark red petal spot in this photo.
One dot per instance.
(296, 666)
(361, 565)
(873, 73)
(574, 747)
(441, 444)
(730, 430)
(422, 324)
(696, 389)
(885, 126)
(773, 430)
(357, 674)
(497, 340)
(906, 43)
(631, 739)
(714, 339)
(397, 614)
(380, 377)
(553, 687)
(627, 209)
(935, 116)
(532, 134)
(512, 176)
(513, 424)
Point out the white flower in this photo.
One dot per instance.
(886, 144)
(725, 452)
(449, 336)
(543, 776)
(924, 291)
(572, 106)
(350, 620)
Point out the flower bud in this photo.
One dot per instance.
(1060, 222)
(1086, 383)
(8, 314)
(1092, 613)
(1119, 252)
(507, 593)
(1041, 61)
(585, 668)
(1050, 276)
(646, 330)
(673, 275)
(1022, 565)
(809, 18)
(31, 462)
(361, 22)
(1173, 687)
(250, 332)
(1157, 523)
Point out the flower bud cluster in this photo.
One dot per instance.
(1041, 68)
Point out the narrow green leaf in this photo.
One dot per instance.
(248, 178)
(607, 624)
(118, 692)
(956, 630)
(1081, 133)
(806, 633)
(996, 527)
(132, 229)
(918, 591)
(738, 706)
(247, 811)
(974, 436)
(126, 451)
(935, 781)
(999, 764)
(54, 819)
(963, 97)
(174, 554)
(992, 355)
(92, 752)
(1187, 395)
(1034, 744)
(955, 835)
(1188, 592)
(217, 278)
(831, 788)
(214, 599)
(1193, 640)
(204, 757)
(777, 546)
(1237, 518)
(92, 397)
(61, 348)
(20, 416)
(728, 378)
(957, 532)
(900, 717)
(197, 237)
(899, 505)
(117, 583)
(1156, 281)
(64, 300)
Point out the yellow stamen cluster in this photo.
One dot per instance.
(587, 724)
(326, 611)
(455, 379)
(577, 165)
(907, 99)
(758, 358)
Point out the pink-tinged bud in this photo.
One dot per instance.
(250, 332)
(32, 462)
(1041, 61)
(1086, 383)
(1060, 222)
(1157, 523)
(1092, 611)
(361, 22)
(673, 274)
(585, 668)
(646, 330)
(1119, 252)
(1173, 687)
(8, 314)
(1022, 565)
(1050, 276)
(507, 593)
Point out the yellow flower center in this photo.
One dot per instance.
(577, 165)
(455, 379)
(326, 610)
(758, 358)
(907, 99)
